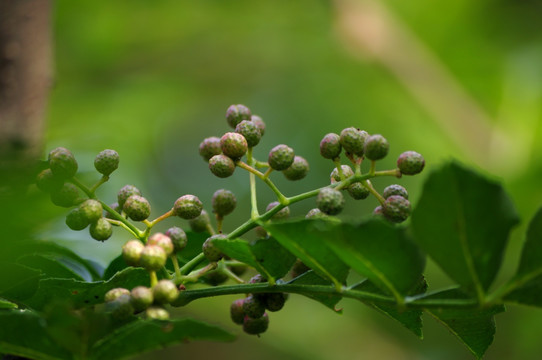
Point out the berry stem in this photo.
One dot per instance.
(189, 266)
(123, 225)
(135, 231)
(83, 187)
(176, 265)
(219, 222)
(267, 173)
(252, 178)
(232, 276)
(196, 274)
(280, 197)
(372, 171)
(95, 187)
(161, 218)
(154, 278)
(375, 193)
(260, 164)
(337, 162)
(395, 172)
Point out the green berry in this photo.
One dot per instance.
(395, 190)
(330, 201)
(315, 214)
(125, 193)
(165, 292)
(275, 301)
(66, 196)
(62, 163)
(283, 213)
(298, 170)
(137, 208)
(396, 208)
(46, 181)
(76, 219)
(410, 163)
(253, 307)
(281, 157)
(352, 140)
(215, 277)
(163, 241)
(187, 207)
(211, 252)
(346, 170)
(259, 123)
(237, 113)
(250, 132)
(131, 252)
(157, 313)
(200, 223)
(357, 191)
(222, 166)
(224, 202)
(330, 146)
(210, 147)
(153, 258)
(256, 326)
(299, 268)
(142, 298)
(121, 308)
(92, 210)
(236, 311)
(233, 145)
(376, 147)
(101, 230)
(115, 293)
(178, 237)
(106, 162)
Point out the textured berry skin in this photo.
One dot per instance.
(142, 298)
(260, 124)
(237, 113)
(357, 191)
(131, 252)
(330, 201)
(101, 230)
(283, 213)
(62, 163)
(153, 258)
(106, 162)
(396, 208)
(157, 313)
(253, 306)
(210, 147)
(378, 211)
(164, 292)
(121, 308)
(274, 301)
(353, 140)
(212, 253)
(347, 172)
(298, 170)
(115, 293)
(137, 208)
(187, 207)
(376, 147)
(125, 192)
(163, 241)
(222, 166)
(250, 132)
(215, 277)
(200, 223)
(256, 326)
(178, 237)
(281, 157)
(236, 311)
(224, 202)
(410, 163)
(47, 182)
(92, 210)
(76, 220)
(330, 146)
(233, 145)
(315, 214)
(67, 196)
(395, 190)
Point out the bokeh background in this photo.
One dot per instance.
(458, 79)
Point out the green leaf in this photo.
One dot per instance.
(267, 256)
(463, 221)
(193, 246)
(4, 304)
(307, 239)
(146, 335)
(116, 265)
(474, 327)
(21, 283)
(51, 266)
(311, 278)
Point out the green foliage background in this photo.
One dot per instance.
(152, 79)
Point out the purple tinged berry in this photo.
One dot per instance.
(142, 298)
(253, 306)
(211, 252)
(281, 157)
(346, 170)
(224, 202)
(101, 230)
(275, 301)
(376, 147)
(165, 292)
(256, 326)
(298, 170)
(315, 214)
(125, 192)
(47, 182)
(358, 191)
(92, 210)
(410, 163)
(330, 201)
(222, 166)
(282, 214)
(67, 196)
(396, 208)
(378, 211)
(106, 162)
(330, 146)
(233, 145)
(76, 220)
(188, 207)
(395, 190)
(178, 237)
(237, 113)
(250, 132)
(157, 313)
(62, 163)
(131, 252)
(210, 147)
(163, 241)
(259, 123)
(137, 208)
(236, 311)
(353, 140)
(153, 258)
(200, 223)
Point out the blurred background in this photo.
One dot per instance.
(459, 79)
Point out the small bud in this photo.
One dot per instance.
(76, 219)
(157, 313)
(256, 326)
(298, 170)
(47, 182)
(187, 207)
(357, 191)
(250, 132)
(67, 196)
(131, 252)
(330, 146)
(253, 307)
(352, 140)
(142, 298)
(101, 230)
(115, 293)
(62, 163)
(259, 123)
(211, 252)
(178, 237)
(281, 157)
(224, 202)
(125, 193)
(346, 170)
(236, 311)
(330, 201)
(410, 163)
(163, 241)
(283, 213)
(137, 208)
(153, 258)
(396, 208)
(200, 223)
(376, 147)
(233, 145)
(237, 113)
(106, 162)
(164, 292)
(395, 190)
(221, 166)
(210, 147)
(92, 210)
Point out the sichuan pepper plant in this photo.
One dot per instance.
(462, 221)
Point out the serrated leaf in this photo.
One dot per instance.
(116, 265)
(463, 221)
(311, 278)
(146, 335)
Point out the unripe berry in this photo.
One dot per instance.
(395, 190)
(275, 301)
(410, 163)
(157, 313)
(91, 209)
(46, 181)
(106, 162)
(346, 170)
(131, 252)
(224, 202)
(153, 258)
(178, 237)
(283, 213)
(62, 163)
(330, 146)
(236, 311)
(250, 132)
(330, 201)
(211, 252)
(376, 147)
(163, 241)
(165, 292)
(115, 293)
(76, 220)
(259, 123)
(353, 140)
(137, 208)
(142, 298)
(66, 196)
(357, 191)
(125, 192)
(298, 170)
(281, 157)
(256, 326)
(187, 207)
(210, 147)
(121, 308)
(396, 208)
(253, 307)
(215, 277)
(315, 214)
(221, 166)
(200, 223)
(101, 230)
(237, 113)
(233, 145)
